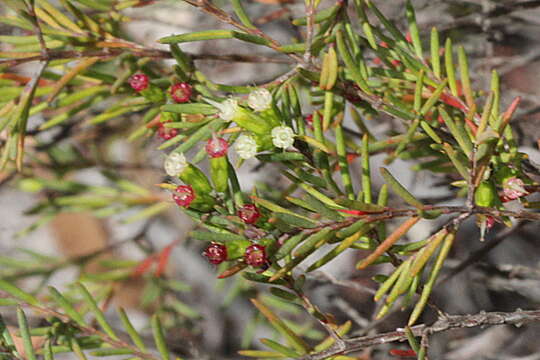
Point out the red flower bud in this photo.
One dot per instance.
(216, 253)
(184, 195)
(255, 255)
(249, 214)
(216, 147)
(138, 82)
(490, 221)
(181, 92)
(166, 133)
(408, 37)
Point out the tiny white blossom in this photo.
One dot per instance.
(245, 146)
(175, 163)
(227, 109)
(259, 99)
(282, 136)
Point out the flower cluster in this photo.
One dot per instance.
(254, 255)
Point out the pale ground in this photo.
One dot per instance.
(171, 18)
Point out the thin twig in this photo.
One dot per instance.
(89, 330)
(35, 23)
(209, 8)
(310, 13)
(142, 52)
(444, 323)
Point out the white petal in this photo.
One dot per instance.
(175, 163)
(245, 146)
(260, 99)
(282, 136)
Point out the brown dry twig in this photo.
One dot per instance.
(143, 52)
(444, 323)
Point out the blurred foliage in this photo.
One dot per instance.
(357, 62)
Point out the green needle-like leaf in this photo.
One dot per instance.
(294, 340)
(400, 189)
(24, 332)
(66, 306)
(100, 317)
(128, 327)
(18, 293)
(159, 338)
(435, 56)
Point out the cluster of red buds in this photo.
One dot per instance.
(166, 133)
(255, 254)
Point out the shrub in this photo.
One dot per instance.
(315, 126)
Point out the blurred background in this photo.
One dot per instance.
(214, 317)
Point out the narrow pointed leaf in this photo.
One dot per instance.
(465, 78)
(159, 337)
(400, 189)
(128, 327)
(24, 332)
(449, 64)
(100, 317)
(66, 306)
(198, 36)
(18, 293)
(388, 242)
(413, 30)
(428, 287)
(435, 57)
(293, 340)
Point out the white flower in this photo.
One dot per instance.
(227, 109)
(259, 99)
(245, 146)
(175, 163)
(282, 136)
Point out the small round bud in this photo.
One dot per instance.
(184, 195)
(490, 221)
(513, 188)
(255, 255)
(260, 99)
(249, 214)
(282, 136)
(309, 120)
(245, 146)
(138, 82)
(175, 163)
(166, 133)
(181, 92)
(216, 147)
(216, 253)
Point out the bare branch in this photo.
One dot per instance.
(444, 323)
